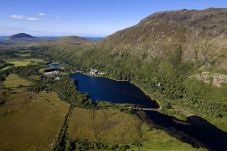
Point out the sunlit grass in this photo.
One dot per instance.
(13, 81)
(107, 126)
(5, 68)
(23, 54)
(31, 121)
(158, 140)
(24, 62)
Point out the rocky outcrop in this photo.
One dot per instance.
(216, 79)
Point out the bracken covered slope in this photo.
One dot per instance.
(201, 34)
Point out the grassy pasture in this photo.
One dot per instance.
(24, 62)
(35, 77)
(107, 126)
(14, 81)
(19, 63)
(24, 51)
(112, 126)
(31, 121)
(5, 68)
(23, 54)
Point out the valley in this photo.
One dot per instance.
(158, 85)
(27, 97)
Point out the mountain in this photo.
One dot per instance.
(21, 36)
(192, 37)
(21, 40)
(68, 41)
(179, 58)
(72, 40)
(201, 34)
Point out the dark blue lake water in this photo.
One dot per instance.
(113, 91)
(55, 65)
(195, 130)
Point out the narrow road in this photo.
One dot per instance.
(146, 109)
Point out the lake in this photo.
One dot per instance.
(55, 65)
(112, 91)
(195, 130)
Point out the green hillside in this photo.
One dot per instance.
(169, 68)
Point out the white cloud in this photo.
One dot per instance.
(32, 18)
(18, 17)
(22, 17)
(41, 14)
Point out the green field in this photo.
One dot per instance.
(107, 126)
(23, 54)
(18, 63)
(5, 68)
(31, 121)
(115, 127)
(24, 62)
(14, 81)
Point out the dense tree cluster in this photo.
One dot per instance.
(66, 90)
(163, 76)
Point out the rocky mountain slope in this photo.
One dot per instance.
(174, 37)
(201, 34)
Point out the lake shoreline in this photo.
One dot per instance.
(131, 82)
(188, 131)
(109, 89)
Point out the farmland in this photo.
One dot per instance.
(24, 62)
(13, 81)
(31, 121)
(107, 126)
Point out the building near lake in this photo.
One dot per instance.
(93, 72)
(51, 72)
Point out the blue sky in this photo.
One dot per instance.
(85, 17)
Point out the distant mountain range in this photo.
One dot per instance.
(26, 40)
(3, 38)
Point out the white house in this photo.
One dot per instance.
(50, 73)
(93, 71)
